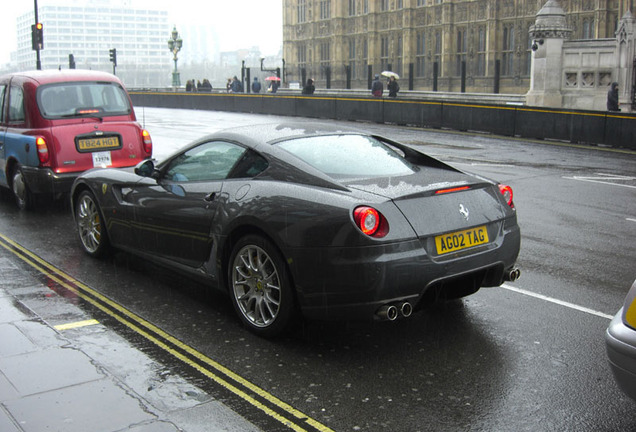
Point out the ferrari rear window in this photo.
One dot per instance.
(343, 156)
(77, 99)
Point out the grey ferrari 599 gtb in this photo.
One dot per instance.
(306, 220)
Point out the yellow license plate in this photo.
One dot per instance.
(90, 144)
(459, 240)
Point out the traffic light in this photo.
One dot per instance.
(37, 36)
(113, 56)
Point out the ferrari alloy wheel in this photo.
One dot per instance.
(90, 225)
(260, 287)
(23, 196)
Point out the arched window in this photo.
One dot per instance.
(588, 29)
(481, 52)
(302, 11)
(352, 58)
(420, 55)
(461, 50)
(507, 54)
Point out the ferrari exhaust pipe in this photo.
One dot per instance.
(513, 274)
(388, 312)
(406, 309)
(392, 311)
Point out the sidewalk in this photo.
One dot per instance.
(62, 371)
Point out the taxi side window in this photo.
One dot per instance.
(3, 89)
(16, 105)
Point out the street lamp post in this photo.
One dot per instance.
(174, 45)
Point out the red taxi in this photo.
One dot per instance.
(55, 125)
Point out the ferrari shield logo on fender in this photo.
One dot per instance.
(104, 188)
(464, 211)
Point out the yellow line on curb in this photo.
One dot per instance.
(74, 325)
(136, 321)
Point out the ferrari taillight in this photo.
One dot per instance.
(370, 221)
(506, 191)
(42, 149)
(145, 136)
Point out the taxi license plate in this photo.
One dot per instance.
(459, 240)
(102, 159)
(90, 144)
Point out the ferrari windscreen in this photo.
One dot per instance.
(350, 156)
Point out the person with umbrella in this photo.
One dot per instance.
(393, 87)
(273, 84)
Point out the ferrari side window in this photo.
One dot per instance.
(208, 161)
(251, 165)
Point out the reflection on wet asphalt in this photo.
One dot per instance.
(494, 361)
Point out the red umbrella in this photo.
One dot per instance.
(272, 78)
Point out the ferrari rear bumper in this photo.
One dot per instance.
(360, 283)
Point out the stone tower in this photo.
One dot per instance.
(548, 33)
(626, 52)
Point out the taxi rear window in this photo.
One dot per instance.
(78, 99)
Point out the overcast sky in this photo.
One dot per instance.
(239, 24)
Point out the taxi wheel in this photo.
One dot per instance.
(23, 196)
(90, 225)
(260, 286)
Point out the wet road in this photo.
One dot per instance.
(502, 359)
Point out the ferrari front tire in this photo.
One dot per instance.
(90, 225)
(260, 286)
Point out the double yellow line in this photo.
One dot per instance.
(239, 386)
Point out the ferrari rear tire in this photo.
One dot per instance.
(260, 286)
(90, 225)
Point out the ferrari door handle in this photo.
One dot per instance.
(210, 197)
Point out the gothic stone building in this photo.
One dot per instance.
(480, 46)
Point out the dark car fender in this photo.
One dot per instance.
(100, 181)
(308, 218)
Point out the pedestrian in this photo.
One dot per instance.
(309, 87)
(393, 87)
(273, 86)
(612, 97)
(198, 85)
(228, 85)
(206, 85)
(377, 87)
(256, 86)
(236, 86)
(188, 86)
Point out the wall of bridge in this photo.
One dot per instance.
(614, 129)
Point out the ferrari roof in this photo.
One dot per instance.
(274, 132)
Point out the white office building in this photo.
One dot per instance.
(90, 30)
